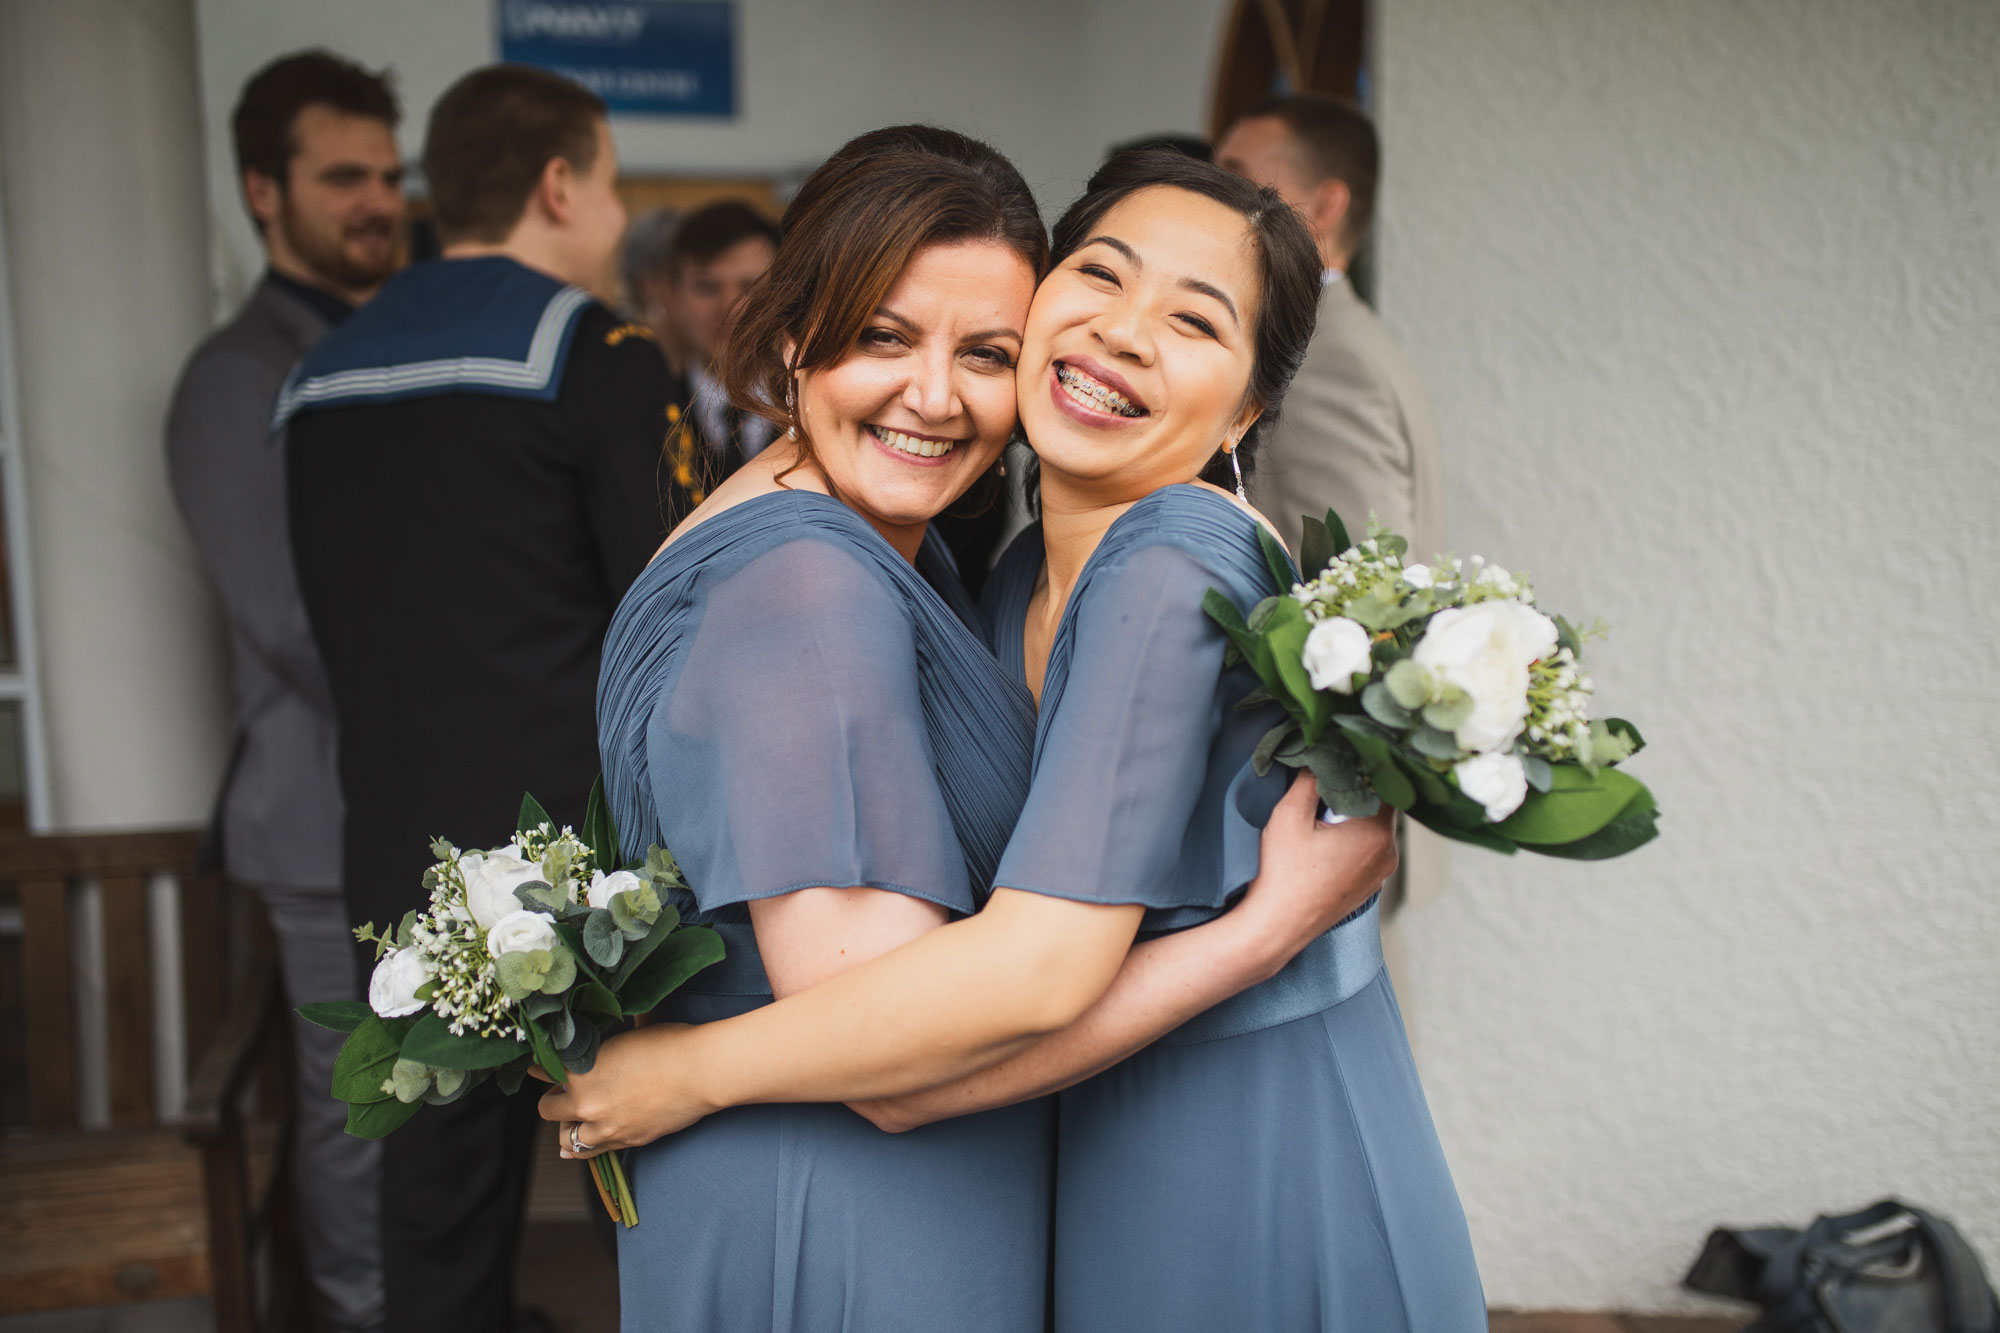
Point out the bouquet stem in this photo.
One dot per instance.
(613, 1189)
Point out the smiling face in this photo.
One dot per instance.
(924, 403)
(1139, 348)
(334, 219)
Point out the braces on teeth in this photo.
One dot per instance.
(1103, 395)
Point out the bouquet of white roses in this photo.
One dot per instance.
(526, 955)
(1441, 690)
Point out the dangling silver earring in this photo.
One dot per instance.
(1001, 470)
(792, 408)
(1236, 466)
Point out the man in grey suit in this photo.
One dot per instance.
(1356, 433)
(315, 141)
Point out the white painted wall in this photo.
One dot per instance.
(99, 176)
(1049, 82)
(1709, 298)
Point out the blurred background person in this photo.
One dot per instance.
(316, 155)
(718, 253)
(461, 542)
(1357, 435)
(647, 268)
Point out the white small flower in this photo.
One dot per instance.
(603, 887)
(1417, 576)
(392, 990)
(1496, 781)
(490, 881)
(518, 932)
(1336, 651)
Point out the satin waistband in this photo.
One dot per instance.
(1333, 968)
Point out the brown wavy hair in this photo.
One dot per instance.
(850, 231)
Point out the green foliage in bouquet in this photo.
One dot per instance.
(1441, 692)
(525, 957)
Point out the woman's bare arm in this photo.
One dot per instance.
(1311, 877)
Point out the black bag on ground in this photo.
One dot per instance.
(1886, 1269)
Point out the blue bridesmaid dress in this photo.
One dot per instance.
(1271, 1165)
(787, 703)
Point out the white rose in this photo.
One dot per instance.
(1496, 781)
(490, 881)
(1336, 652)
(1485, 650)
(1418, 576)
(518, 932)
(603, 887)
(392, 990)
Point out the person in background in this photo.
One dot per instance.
(648, 273)
(1357, 435)
(718, 254)
(476, 475)
(321, 175)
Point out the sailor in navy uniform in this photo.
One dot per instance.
(478, 469)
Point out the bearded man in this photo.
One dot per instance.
(321, 174)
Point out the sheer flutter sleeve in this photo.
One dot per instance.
(791, 752)
(1131, 722)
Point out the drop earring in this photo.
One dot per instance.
(1236, 466)
(792, 408)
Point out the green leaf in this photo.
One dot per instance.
(1575, 806)
(685, 952)
(638, 952)
(366, 1059)
(1431, 786)
(1316, 548)
(373, 1120)
(336, 1015)
(539, 1005)
(1381, 705)
(634, 911)
(537, 896)
(1391, 543)
(561, 974)
(532, 815)
(1257, 698)
(571, 937)
(1284, 638)
(1277, 558)
(600, 834)
(1431, 743)
(431, 1042)
(405, 927)
(1267, 749)
(579, 1053)
(594, 1000)
(1376, 751)
(1449, 711)
(452, 1084)
(561, 1027)
(1537, 769)
(1336, 532)
(662, 871)
(1619, 727)
(1567, 637)
(518, 974)
(601, 938)
(1478, 837)
(508, 1078)
(1409, 684)
(1635, 826)
(545, 1051)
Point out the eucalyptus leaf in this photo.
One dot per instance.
(562, 972)
(508, 1078)
(1537, 769)
(540, 897)
(1257, 698)
(1431, 787)
(538, 1004)
(1356, 804)
(373, 1120)
(1392, 543)
(634, 911)
(336, 1015)
(1431, 743)
(532, 815)
(1619, 727)
(409, 1080)
(580, 1052)
(1408, 683)
(662, 871)
(517, 974)
(451, 1084)
(1267, 749)
(1380, 704)
(561, 1027)
(405, 928)
(637, 953)
(572, 937)
(602, 939)
(684, 953)
(1450, 710)
(432, 1042)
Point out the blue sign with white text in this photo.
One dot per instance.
(652, 57)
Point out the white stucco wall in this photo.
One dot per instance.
(1031, 76)
(1709, 299)
(100, 179)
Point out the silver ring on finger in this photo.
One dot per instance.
(577, 1145)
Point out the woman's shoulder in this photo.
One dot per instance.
(1218, 534)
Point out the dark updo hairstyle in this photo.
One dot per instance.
(1288, 304)
(853, 227)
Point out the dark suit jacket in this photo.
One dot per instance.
(280, 805)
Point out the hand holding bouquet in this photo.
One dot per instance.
(1442, 691)
(525, 957)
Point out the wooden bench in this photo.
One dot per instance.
(146, 1208)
